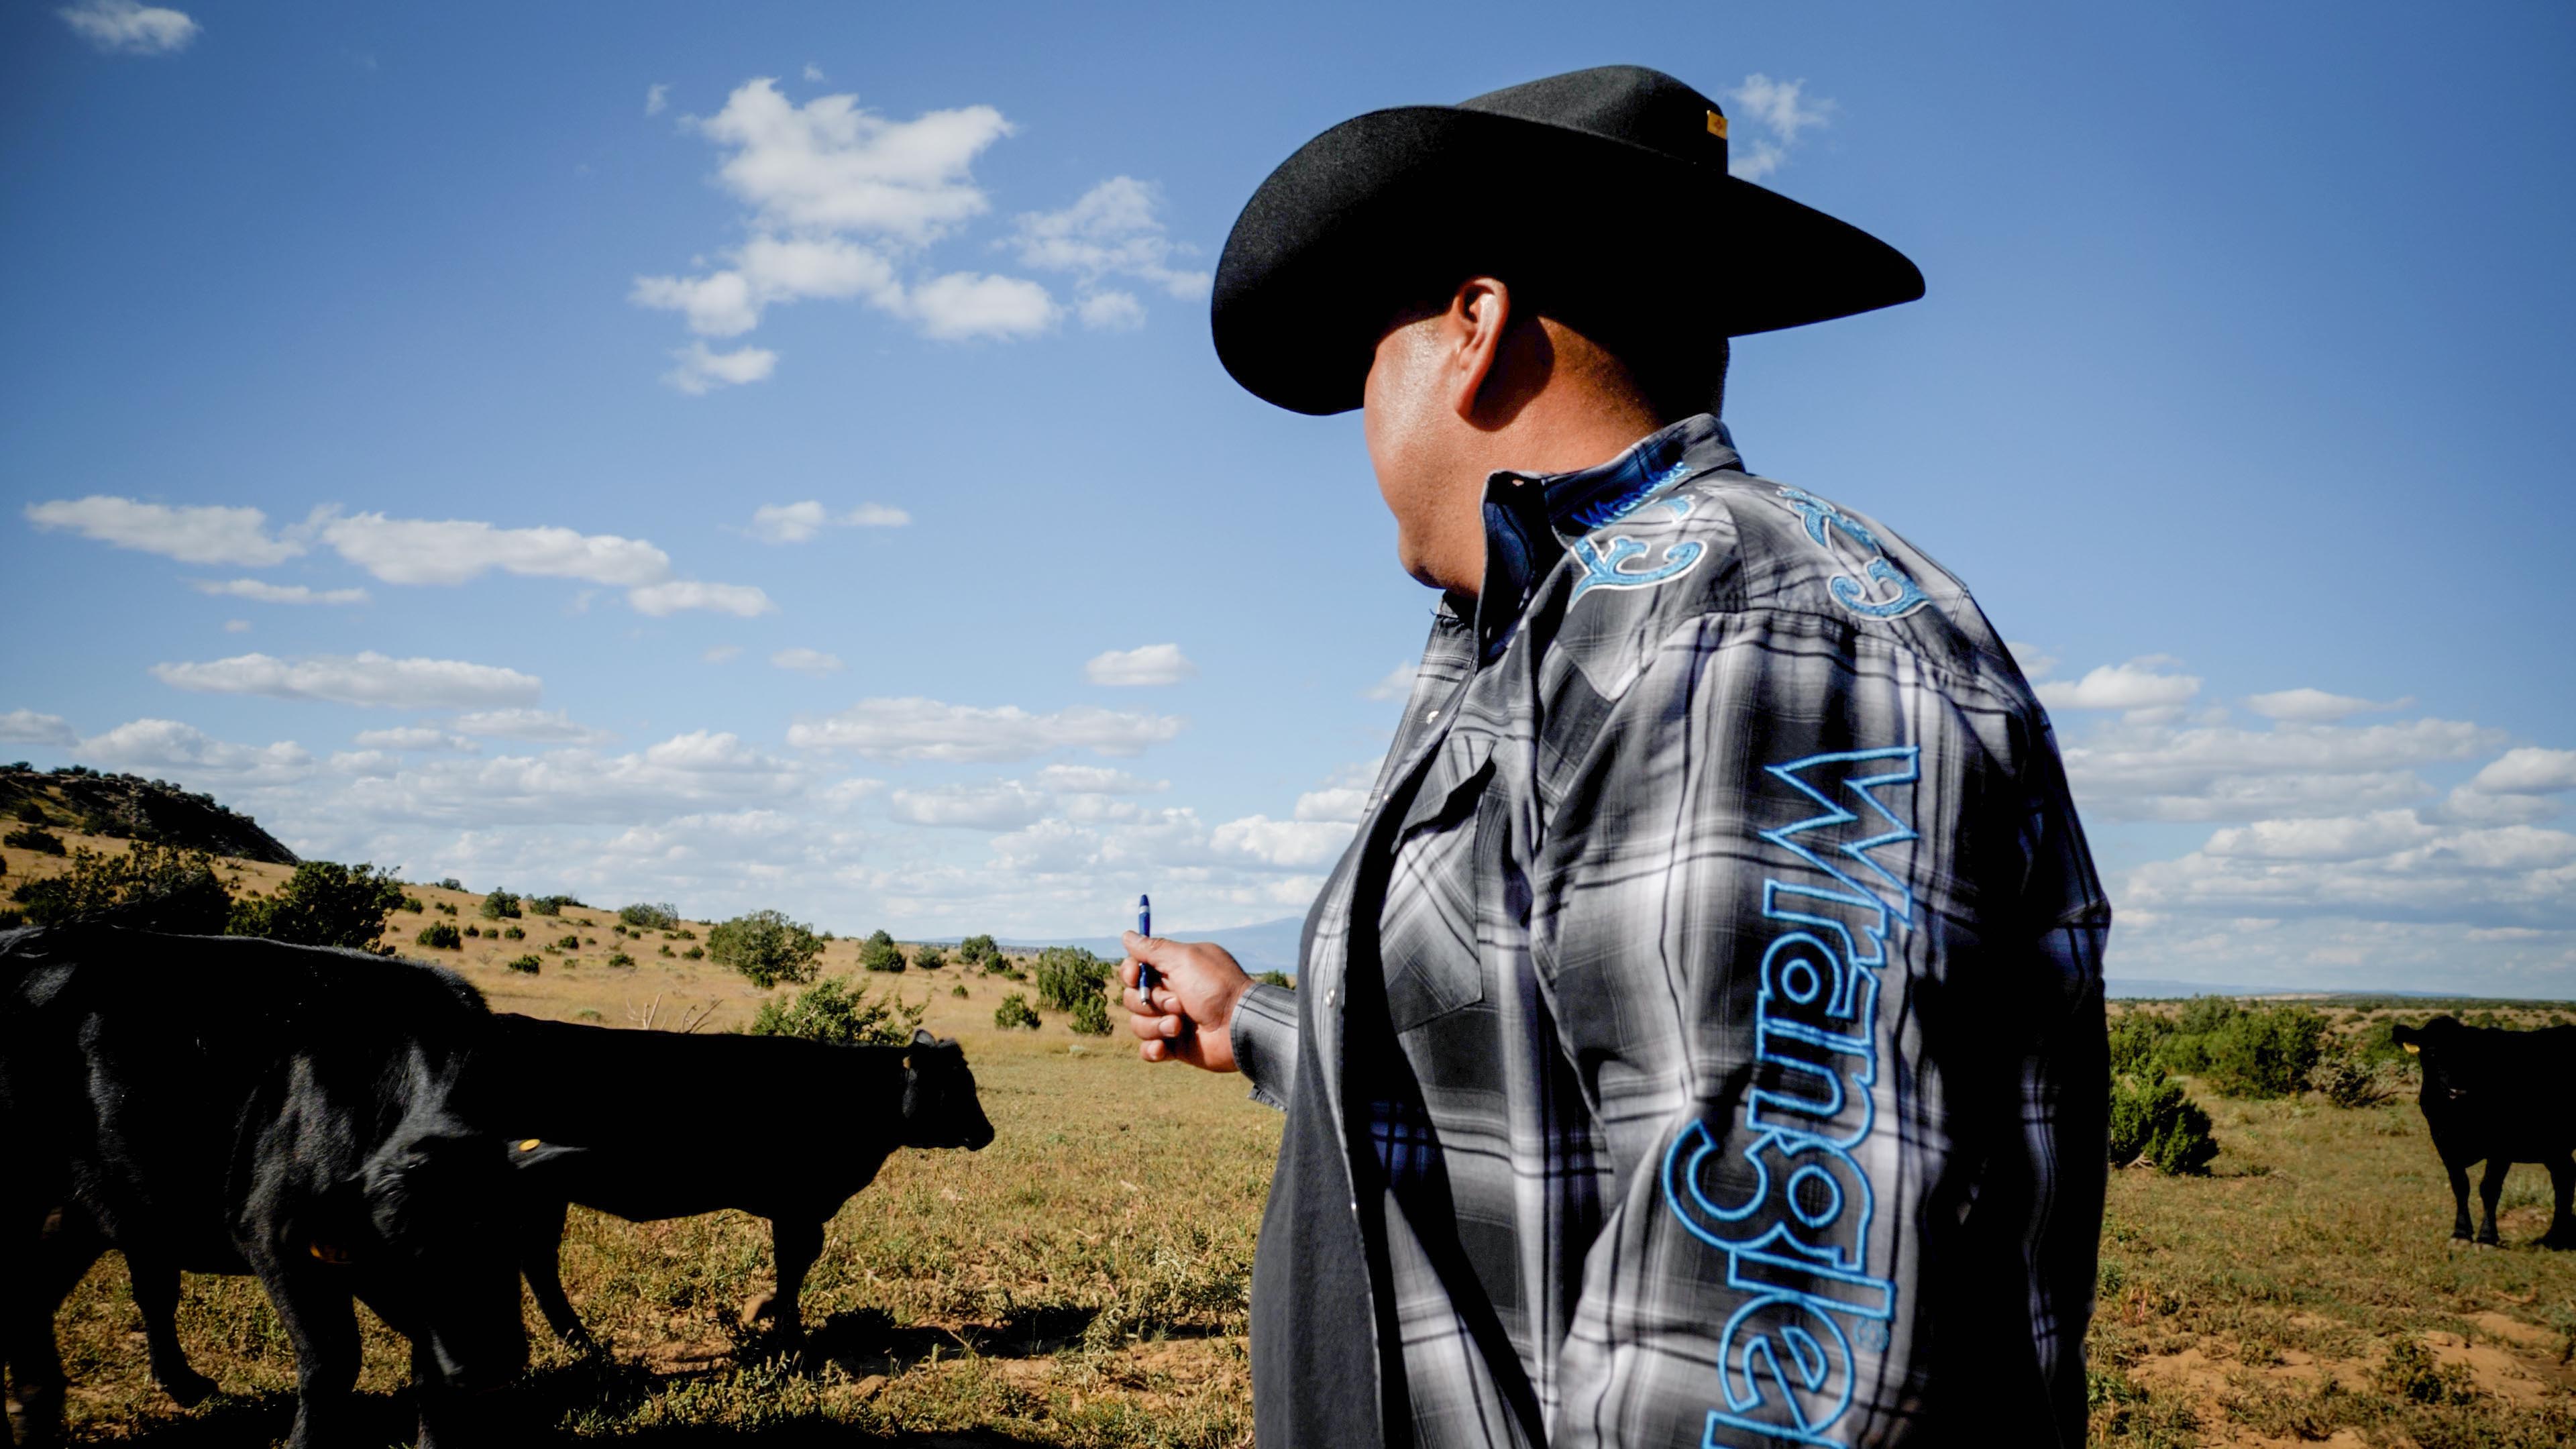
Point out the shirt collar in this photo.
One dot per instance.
(1531, 519)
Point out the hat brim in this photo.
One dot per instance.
(1374, 211)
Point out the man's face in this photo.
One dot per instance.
(1401, 413)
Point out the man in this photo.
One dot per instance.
(1701, 1042)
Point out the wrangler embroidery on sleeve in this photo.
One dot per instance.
(1790, 1207)
(1901, 595)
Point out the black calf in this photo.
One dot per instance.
(2500, 1097)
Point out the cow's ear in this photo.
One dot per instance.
(921, 1038)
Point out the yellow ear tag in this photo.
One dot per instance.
(1717, 125)
(332, 1256)
(2413, 1050)
(528, 1146)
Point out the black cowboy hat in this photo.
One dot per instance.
(1602, 193)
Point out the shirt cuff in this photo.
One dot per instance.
(1264, 1034)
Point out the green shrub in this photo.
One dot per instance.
(529, 964)
(2265, 1053)
(451, 883)
(568, 943)
(150, 887)
(440, 936)
(2349, 1076)
(833, 1010)
(1277, 978)
(880, 953)
(650, 915)
(621, 959)
(2153, 1120)
(664, 950)
(473, 931)
(766, 947)
(929, 958)
(513, 933)
(958, 990)
(2410, 1372)
(694, 953)
(446, 908)
(547, 905)
(2136, 1039)
(1066, 974)
(1014, 1012)
(684, 934)
(43, 842)
(1089, 1014)
(500, 905)
(413, 905)
(977, 950)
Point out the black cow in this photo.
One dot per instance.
(673, 1125)
(228, 1105)
(2500, 1097)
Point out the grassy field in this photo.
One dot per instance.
(1081, 1281)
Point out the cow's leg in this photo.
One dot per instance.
(2461, 1227)
(795, 1243)
(156, 1297)
(2562, 1191)
(321, 1322)
(53, 1250)
(541, 1227)
(2490, 1188)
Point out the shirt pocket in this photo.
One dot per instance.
(1427, 924)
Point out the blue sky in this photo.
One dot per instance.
(772, 454)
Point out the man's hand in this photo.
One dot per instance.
(1191, 1016)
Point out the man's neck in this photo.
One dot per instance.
(1549, 436)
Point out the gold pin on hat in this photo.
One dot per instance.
(1717, 125)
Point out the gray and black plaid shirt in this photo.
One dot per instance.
(1727, 1027)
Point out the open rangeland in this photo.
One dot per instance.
(1081, 1281)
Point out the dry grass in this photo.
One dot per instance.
(1082, 1280)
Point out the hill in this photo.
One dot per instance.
(129, 807)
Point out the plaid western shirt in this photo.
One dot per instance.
(1709, 1008)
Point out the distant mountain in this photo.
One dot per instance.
(1263, 946)
(129, 807)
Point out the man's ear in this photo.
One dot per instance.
(1479, 314)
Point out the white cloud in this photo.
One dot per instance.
(454, 550)
(1097, 780)
(721, 653)
(264, 592)
(702, 371)
(998, 805)
(237, 626)
(161, 744)
(2131, 769)
(813, 73)
(188, 533)
(2138, 684)
(414, 737)
(1779, 107)
(925, 729)
(2315, 706)
(800, 522)
(26, 727)
(2036, 663)
(962, 306)
(1110, 311)
(813, 662)
(743, 601)
(1111, 231)
(536, 726)
(1340, 804)
(363, 679)
(2385, 868)
(2528, 771)
(1283, 844)
(128, 26)
(829, 166)
(1396, 684)
(1150, 664)
(696, 769)
(656, 97)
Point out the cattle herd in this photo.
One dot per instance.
(347, 1128)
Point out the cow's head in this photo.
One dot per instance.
(422, 1229)
(2437, 1042)
(940, 1108)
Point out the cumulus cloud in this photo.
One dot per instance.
(996, 805)
(454, 550)
(264, 592)
(1112, 230)
(189, 533)
(743, 601)
(702, 370)
(170, 746)
(692, 770)
(1097, 780)
(812, 662)
(965, 305)
(1150, 664)
(1781, 108)
(2036, 663)
(2383, 867)
(362, 679)
(656, 97)
(800, 522)
(26, 727)
(535, 726)
(2315, 706)
(2140, 684)
(1281, 844)
(125, 25)
(926, 729)
(721, 653)
(2528, 771)
(415, 737)
(2133, 769)
(1396, 683)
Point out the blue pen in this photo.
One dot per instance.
(1145, 975)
